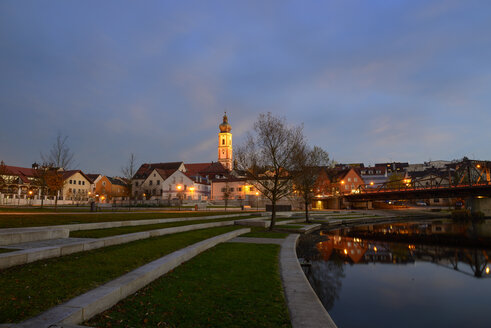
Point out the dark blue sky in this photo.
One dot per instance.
(370, 80)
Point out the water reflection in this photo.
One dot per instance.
(426, 249)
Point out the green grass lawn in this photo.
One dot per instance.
(230, 285)
(33, 220)
(258, 232)
(32, 288)
(99, 233)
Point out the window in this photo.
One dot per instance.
(154, 175)
(355, 179)
(349, 179)
(223, 141)
(252, 188)
(346, 187)
(224, 189)
(83, 183)
(239, 189)
(79, 182)
(104, 183)
(70, 181)
(232, 189)
(158, 182)
(136, 184)
(150, 182)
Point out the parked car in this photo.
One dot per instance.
(421, 203)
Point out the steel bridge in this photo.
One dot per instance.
(464, 179)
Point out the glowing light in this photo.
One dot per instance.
(342, 181)
(478, 166)
(192, 188)
(487, 270)
(345, 251)
(30, 192)
(179, 187)
(371, 183)
(374, 248)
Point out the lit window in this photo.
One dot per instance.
(349, 179)
(355, 179)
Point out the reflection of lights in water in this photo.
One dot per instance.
(487, 270)
(375, 248)
(412, 247)
(345, 251)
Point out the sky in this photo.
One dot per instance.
(371, 81)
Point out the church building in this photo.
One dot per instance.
(225, 152)
(169, 181)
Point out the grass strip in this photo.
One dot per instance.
(258, 232)
(35, 287)
(37, 220)
(6, 250)
(99, 233)
(230, 285)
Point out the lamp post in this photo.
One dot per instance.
(257, 201)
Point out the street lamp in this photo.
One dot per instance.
(257, 201)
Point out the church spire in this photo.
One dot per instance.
(225, 152)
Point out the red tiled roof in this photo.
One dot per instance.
(196, 168)
(67, 174)
(165, 173)
(215, 167)
(92, 177)
(22, 172)
(147, 168)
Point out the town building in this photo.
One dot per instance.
(76, 186)
(106, 189)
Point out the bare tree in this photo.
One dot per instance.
(59, 155)
(267, 157)
(129, 171)
(41, 174)
(309, 163)
(226, 195)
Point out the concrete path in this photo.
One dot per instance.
(48, 243)
(306, 310)
(29, 255)
(85, 306)
(251, 240)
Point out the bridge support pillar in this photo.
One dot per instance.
(479, 205)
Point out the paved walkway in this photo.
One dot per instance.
(278, 241)
(305, 308)
(48, 243)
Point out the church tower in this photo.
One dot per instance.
(225, 155)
